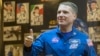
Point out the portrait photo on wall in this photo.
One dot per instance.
(22, 12)
(93, 11)
(36, 15)
(12, 33)
(9, 11)
(13, 50)
(94, 33)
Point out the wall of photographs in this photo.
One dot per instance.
(93, 19)
(19, 16)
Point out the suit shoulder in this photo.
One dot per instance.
(50, 31)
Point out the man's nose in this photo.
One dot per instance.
(61, 14)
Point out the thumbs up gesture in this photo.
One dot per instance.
(29, 39)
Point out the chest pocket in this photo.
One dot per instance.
(76, 50)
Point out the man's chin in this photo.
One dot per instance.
(62, 24)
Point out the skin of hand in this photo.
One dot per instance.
(29, 39)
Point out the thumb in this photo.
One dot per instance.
(31, 32)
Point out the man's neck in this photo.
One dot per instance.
(65, 28)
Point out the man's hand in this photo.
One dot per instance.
(31, 32)
(29, 39)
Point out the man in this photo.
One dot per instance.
(8, 12)
(93, 14)
(10, 52)
(64, 40)
(22, 15)
(36, 16)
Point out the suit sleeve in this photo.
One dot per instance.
(90, 50)
(27, 51)
(36, 48)
(38, 45)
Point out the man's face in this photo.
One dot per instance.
(9, 7)
(22, 8)
(93, 6)
(65, 15)
(36, 11)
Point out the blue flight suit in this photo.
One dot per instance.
(55, 43)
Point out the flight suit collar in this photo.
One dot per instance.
(73, 33)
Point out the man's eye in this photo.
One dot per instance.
(59, 12)
(65, 12)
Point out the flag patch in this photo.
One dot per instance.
(89, 42)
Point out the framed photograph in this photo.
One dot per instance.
(94, 33)
(13, 50)
(12, 33)
(36, 15)
(9, 11)
(93, 10)
(22, 13)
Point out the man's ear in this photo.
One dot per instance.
(75, 16)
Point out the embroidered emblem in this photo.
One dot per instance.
(74, 43)
(89, 42)
(49, 55)
(55, 40)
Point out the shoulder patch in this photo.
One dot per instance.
(89, 42)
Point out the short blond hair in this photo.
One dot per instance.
(70, 4)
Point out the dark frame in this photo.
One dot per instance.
(12, 33)
(13, 49)
(22, 13)
(9, 11)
